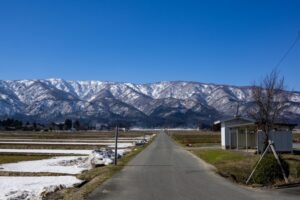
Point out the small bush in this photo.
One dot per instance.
(268, 171)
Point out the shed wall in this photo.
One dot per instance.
(283, 140)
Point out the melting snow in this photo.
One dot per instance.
(65, 164)
(121, 145)
(56, 151)
(31, 188)
(47, 151)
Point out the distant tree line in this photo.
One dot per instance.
(11, 124)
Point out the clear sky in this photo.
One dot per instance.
(142, 41)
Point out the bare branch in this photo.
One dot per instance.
(270, 100)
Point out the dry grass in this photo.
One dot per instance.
(12, 158)
(68, 135)
(296, 137)
(44, 136)
(196, 138)
(294, 162)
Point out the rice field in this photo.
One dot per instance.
(28, 158)
(196, 138)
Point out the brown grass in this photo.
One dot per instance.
(68, 135)
(294, 163)
(296, 137)
(44, 136)
(12, 158)
(196, 138)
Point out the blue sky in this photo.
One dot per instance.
(230, 42)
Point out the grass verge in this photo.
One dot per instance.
(94, 178)
(237, 165)
(230, 164)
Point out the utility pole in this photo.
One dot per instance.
(116, 144)
(72, 128)
(238, 108)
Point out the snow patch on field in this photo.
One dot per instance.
(31, 188)
(70, 140)
(65, 164)
(121, 145)
(48, 151)
(56, 151)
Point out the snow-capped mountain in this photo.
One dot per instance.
(177, 103)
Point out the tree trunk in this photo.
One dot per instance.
(266, 141)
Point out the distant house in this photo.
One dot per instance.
(100, 126)
(297, 129)
(243, 133)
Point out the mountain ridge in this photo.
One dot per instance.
(165, 103)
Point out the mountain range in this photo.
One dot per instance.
(168, 104)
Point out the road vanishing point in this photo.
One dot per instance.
(166, 171)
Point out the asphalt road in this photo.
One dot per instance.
(165, 171)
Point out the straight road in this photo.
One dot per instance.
(166, 171)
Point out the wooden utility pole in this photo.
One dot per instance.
(116, 145)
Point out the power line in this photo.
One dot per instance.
(288, 51)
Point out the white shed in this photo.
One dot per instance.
(243, 133)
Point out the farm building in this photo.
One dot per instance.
(243, 133)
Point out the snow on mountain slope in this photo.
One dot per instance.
(54, 99)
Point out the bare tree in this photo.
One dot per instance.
(270, 98)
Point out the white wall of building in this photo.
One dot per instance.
(225, 136)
